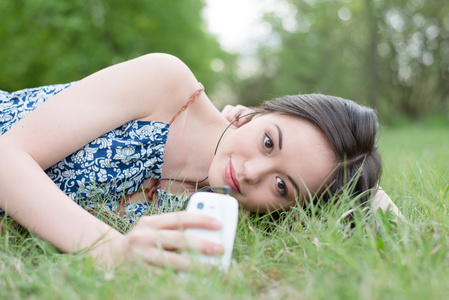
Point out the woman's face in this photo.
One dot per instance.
(271, 160)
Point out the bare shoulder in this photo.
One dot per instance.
(148, 85)
(160, 84)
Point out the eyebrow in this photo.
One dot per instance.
(280, 136)
(294, 184)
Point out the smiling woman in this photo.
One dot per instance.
(127, 138)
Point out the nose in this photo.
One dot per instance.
(255, 170)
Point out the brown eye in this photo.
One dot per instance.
(268, 143)
(280, 185)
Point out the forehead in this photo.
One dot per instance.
(306, 154)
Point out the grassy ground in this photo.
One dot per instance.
(316, 258)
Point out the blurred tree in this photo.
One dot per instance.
(52, 41)
(372, 57)
(414, 56)
(393, 55)
(319, 49)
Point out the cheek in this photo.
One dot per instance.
(215, 172)
(261, 199)
(241, 138)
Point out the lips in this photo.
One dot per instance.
(231, 178)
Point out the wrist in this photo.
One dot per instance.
(111, 251)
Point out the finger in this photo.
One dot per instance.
(161, 258)
(147, 238)
(157, 255)
(180, 220)
(176, 240)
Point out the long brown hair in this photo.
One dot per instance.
(351, 131)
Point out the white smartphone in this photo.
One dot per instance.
(223, 208)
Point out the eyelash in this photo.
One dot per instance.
(267, 139)
(282, 191)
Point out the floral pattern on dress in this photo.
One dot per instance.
(108, 168)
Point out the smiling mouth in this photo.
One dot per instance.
(231, 179)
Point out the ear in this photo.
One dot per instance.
(238, 115)
(244, 119)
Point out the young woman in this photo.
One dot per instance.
(145, 132)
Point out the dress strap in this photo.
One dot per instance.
(191, 100)
(151, 192)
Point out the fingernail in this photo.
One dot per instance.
(215, 224)
(217, 249)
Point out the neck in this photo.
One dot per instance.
(191, 146)
(209, 140)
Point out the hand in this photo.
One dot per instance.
(154, 238)
(232, 113)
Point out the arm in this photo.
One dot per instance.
(141, 88)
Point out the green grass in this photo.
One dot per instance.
(317, 257)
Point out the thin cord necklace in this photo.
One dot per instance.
(215, 152)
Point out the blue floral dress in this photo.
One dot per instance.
(107, 169)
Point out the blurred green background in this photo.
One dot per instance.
(391, 55)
